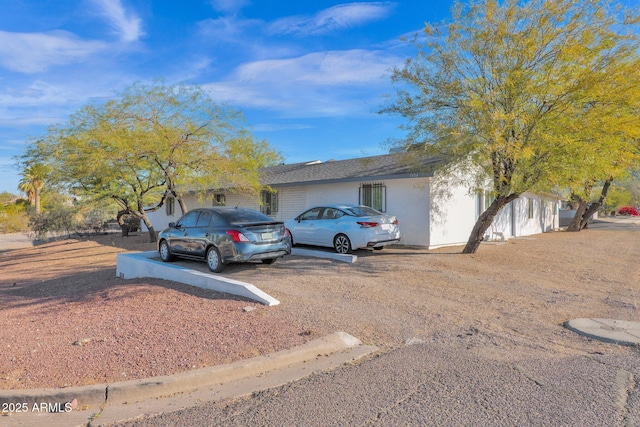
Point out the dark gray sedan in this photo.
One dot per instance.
(224, 235)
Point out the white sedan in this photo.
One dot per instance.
(344, 228)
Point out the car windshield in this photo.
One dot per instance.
(241, 216)
(364, 211)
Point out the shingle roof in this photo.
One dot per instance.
(366, 168)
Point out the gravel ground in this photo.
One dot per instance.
(68, 321)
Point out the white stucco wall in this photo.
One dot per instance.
(453, 214)
(501, 228)
(407, 199)
(291, 202)
(545, 215)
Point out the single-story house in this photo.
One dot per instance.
(428, 216)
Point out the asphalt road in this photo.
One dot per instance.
(14, 241)
(441, 384)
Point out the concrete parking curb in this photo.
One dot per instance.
(142, 264)
(348, 258)
(96, 398)
(608, 330)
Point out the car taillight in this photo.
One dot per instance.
(287, 233)
(395, 222)
(366, 224)
(237, 236)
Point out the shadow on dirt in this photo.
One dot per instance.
(53, 295)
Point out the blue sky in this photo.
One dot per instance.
(309, 76)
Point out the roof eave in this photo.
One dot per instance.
(350, 179)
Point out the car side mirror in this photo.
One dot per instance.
(172, 225)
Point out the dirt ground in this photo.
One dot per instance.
(67, 320)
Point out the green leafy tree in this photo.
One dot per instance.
(617, 197)
(152, 142)
(498, 91)
(610, 144)
(632, 185)
(196, 144)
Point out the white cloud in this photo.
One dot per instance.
(35, 52)
(40, 93)
(32, 120)
(333, 68)
(228, 6)
(273, 127)
(332, 19)
(128, 26)
(37, 104)
(224, 29)
(317, 84)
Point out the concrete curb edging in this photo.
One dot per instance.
(155, 387)
(348, 258)
(141, 264)
(620, 332)
(129, 391)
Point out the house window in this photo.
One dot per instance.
(269, 202)
(488, 199)
(483, 201)
(374, 196)
(530, 208)
(170, 204)
(479, 205)
(219, 199)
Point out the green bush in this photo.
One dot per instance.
(132, 223)
(14, 218)
(60, 218)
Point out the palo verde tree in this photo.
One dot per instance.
(607, 129)
(196, 144)
(491, 91)
(94, 157)
(152, 142)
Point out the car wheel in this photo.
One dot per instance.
(341, 244)
(269, 260)
(214, 261)
(378, 248)
(165, 252)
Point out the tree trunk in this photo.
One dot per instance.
(123, 227)
(142, 214)
(183, 205)
(484, 222)
(152, 232)
(36, 200)
(582, 221)
(576, 221)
